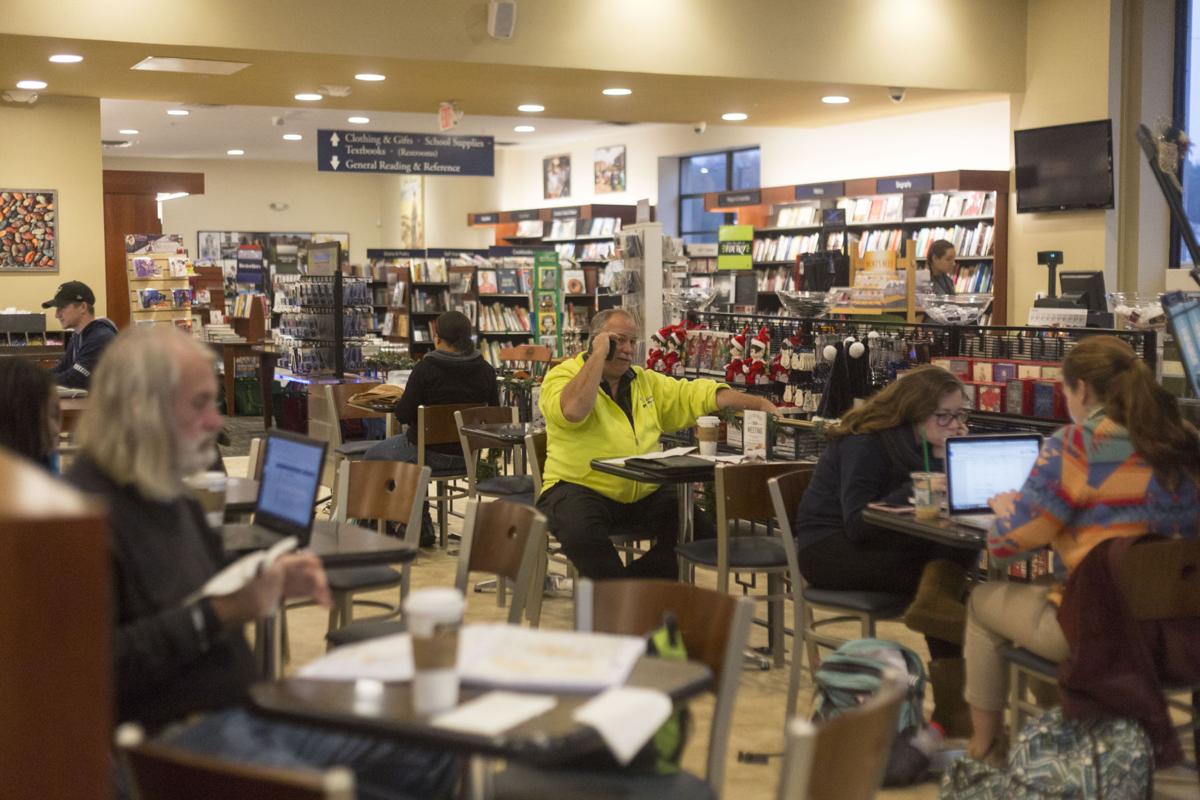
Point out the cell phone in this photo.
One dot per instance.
(612, 350)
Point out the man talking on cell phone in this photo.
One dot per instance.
(599, 405)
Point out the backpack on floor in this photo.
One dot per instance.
(1056, 758)
(853, 674)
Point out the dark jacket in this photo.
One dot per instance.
(942, 284)
(161, 553)
(853, 471)
(442, 378)
(1116, 665)
(75, 368)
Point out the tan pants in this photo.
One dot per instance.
(1000, 614)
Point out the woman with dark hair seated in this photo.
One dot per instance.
(1128, 465)
(29, 412)
(870, 457)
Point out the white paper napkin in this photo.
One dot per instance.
(625, 718)
(495, 712)
(386, 658)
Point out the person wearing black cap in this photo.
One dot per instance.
(75, 310)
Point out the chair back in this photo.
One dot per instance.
(1161, 579)
(785, 491)
(535, 452)
(254, 462)
(328, 405)
(160, 772)
(471, 444)
(507, 540)
(436, 425)
(741, 489)
(534, 358)
(714, 627)
(843, 758)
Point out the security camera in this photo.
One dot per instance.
(699, 127)
(896, 93)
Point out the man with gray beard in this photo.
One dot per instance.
(151, 421)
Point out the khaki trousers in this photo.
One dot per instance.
(1000, 614)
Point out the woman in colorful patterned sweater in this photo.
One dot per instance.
(1127, 466)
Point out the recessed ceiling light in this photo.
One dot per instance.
(733, 116)
(308, 97)
(65, 58)
(617, 92)
(235, 152)
(129, 131)
(370, 76)
(835, 99)
(358, 120)
(292, 137)
(178, 112)
(31, 85)
(530, 108)
(524, 129)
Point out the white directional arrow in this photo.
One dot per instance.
(333, 140)
(334, 162)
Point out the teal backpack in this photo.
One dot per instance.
(1056, 758)
(854, 673)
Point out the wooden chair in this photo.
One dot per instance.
(742, 497)
(254, 461)
(1160, 580)
(436, 425)
(843, 758)
(714, 626)
(533, 358)
(158, 771)
(866, 607)
(502, 538)
(517, 488)
(328, 405)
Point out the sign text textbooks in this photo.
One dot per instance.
(404, 153)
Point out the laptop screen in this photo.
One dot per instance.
(291, 478)
(981, 467)
(1184, 311)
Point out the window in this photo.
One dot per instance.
(1187, 113)
(712, 172)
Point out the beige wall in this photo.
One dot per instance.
(55, 145)
(962, 44)
(1067, 59)
(447, 203)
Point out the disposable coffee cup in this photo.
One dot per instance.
(708, 430)
(434, 617)
(209, 488)
(929, 494)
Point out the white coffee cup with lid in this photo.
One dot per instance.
(708, 433)
(434, 617)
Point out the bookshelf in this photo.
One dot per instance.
(159, 291)
(391, 273)
(968, 207)
(505, 299)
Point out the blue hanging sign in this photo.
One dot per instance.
(811, 190)
(404, 153)
(906, 183)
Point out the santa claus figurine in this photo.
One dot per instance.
(737, 350)
(678, 339)
(654, 357)
(671, 358)
(756, 367)
(781, 364)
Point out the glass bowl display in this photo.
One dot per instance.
(1141, 311)
(955, 309)
(693, 298)
(804, 304)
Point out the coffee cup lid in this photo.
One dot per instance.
(444, 603)
(708, 420)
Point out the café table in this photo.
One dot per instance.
(943, 530)
(506, 436)
(241, 496)
(337, 544)
(72, 409)
(385, 710)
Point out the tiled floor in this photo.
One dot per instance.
(759, 715)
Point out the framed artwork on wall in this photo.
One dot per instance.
(610, 169)
(556, 177)
(29, 231)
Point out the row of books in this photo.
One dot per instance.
(785, 248)
(428, 301)
(775, 279)
(973, 279)
(1037, 565)
(968, 241)
(883, 239)
(570, 228)
(597, 251)
(243, 302)
(795, 216)
(577, 317)
(430, 270)
(498, 317)
(880, 208)
(505, 281)
(960, 204)
(490, 350)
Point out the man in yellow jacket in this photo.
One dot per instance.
(597, 407)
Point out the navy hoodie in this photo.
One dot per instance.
(441, 378)
(74, 370)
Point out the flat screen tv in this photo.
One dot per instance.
(1065, 167)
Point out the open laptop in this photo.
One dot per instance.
(981, 467)
(287, 493)
(1183, 309)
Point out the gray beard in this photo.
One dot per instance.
(198, 457)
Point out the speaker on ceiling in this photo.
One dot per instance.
(502, 18)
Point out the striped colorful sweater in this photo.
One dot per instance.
(1089, 485)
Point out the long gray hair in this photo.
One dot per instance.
(129, 428)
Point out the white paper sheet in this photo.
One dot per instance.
(506, 656)
(625, 718)
(386, 658)
(242, 571)
(674, 451)
(495, 712)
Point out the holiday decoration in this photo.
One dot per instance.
(655, 355)
(677, 340)
(737, 349)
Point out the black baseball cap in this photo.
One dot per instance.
(71, 292)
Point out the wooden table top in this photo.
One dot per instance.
(337, 544)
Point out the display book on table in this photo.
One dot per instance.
(160, 293)
(1023, 388)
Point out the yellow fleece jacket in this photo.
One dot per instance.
(660, 405)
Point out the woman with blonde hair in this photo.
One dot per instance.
(1128, 465)
(871, 455)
